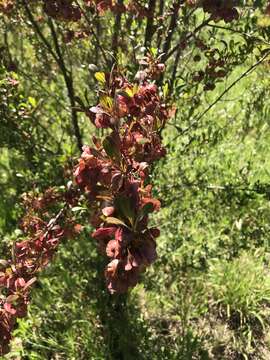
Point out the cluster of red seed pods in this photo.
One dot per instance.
(114, 175)
(113, 178)
(29, 256)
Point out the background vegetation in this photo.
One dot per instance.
(208, 294)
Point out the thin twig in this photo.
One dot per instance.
(188, 37)
(54, 220)
(246, 73)
(38, 31)
(160, 30)
(38, 84)
(69, 85)
(251, 37)
(116, 32)
(172, 28)
(149, 31)
(93, 33)
(60, 62)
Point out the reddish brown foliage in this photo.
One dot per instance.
(29, 256)
(114, 176)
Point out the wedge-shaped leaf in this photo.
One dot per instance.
(30, 283)
(3, 264)
(126, 93)
(12, 298)
(124, 206)
(129, 92)
(111, 148)
(100, 76)
(106, 102)
(78, 208)
(145, 210)
(115, 221)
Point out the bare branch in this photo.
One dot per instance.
(149, 31)
(93, 33)
(116, 32)
(200, 116)
(69, 85)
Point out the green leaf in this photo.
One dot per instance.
(111, 148)
(32, 101)
(154, 51)
(106, 102)
(165, 89)
(124, 206)
(78, 208)
(100, 76)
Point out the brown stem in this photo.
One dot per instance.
(69, 85)
(149, 31)
(160, 31)
(175, 66)
(93, 33)
(172, 28)
(197, 118)
(188, 37)
(98, 33)
(38, 31)
(116, 32)
(60, 61)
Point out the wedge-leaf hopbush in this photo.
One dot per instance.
(29, 256)
(112, 175)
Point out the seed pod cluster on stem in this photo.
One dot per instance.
(114, 175)
(29, 256)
